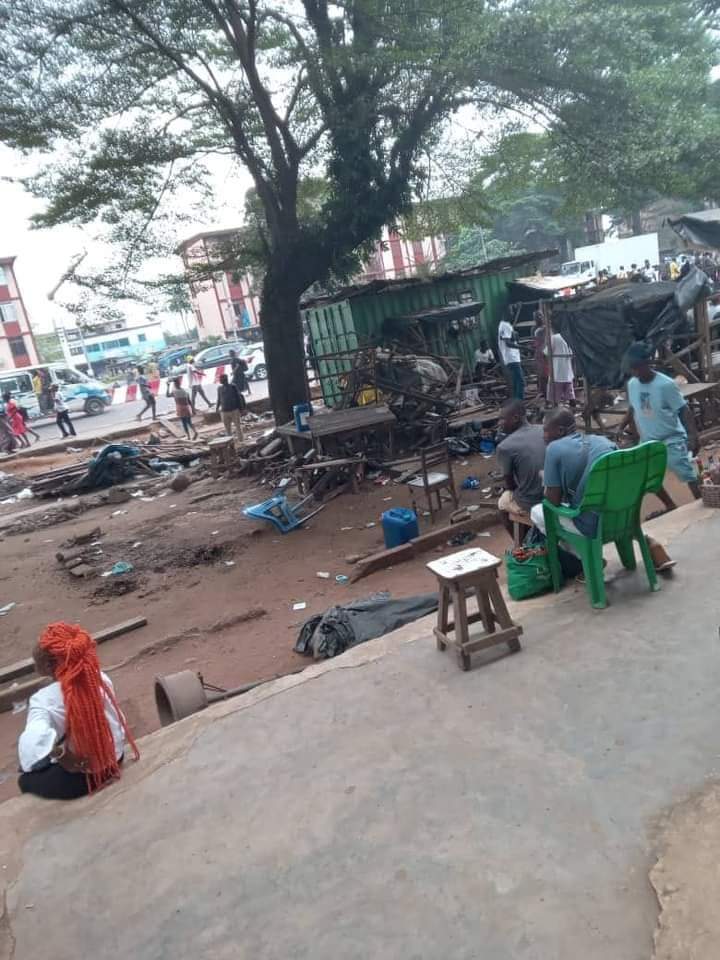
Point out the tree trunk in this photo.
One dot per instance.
(284, 344)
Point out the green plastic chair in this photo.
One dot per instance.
(616, 485)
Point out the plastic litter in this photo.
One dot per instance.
(6, 609)
(471, 483)
(323, 574)
(122, 566)
(299, 605)
(118, 513)
(341, 578)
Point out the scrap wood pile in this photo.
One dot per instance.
(116, 463)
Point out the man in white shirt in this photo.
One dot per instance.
(510, 356)
(195, 376)
(562, 390)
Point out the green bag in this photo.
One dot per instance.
(528, 572)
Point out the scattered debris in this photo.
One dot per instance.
(4, 611)
(323, 575)
(299, 605)
(121, 567)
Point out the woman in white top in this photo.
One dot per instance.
(75, 733)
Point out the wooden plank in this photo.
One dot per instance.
(171, 428)
(354, 418)
(388, 558)
(22, 668)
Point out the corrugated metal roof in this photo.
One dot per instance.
(499, 265)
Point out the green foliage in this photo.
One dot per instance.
(48, 347)
(471, 246)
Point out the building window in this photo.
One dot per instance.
(199, 318)
(77, 351)
(8, 313)
(17, 347)
(91, 348)
(142, 338)
(3, 277)
(123, 342)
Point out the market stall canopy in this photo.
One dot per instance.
(701, 229)
(550, 286)
(601, 326)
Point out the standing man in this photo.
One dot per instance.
(195, 377)
(62, 414)
(39, 390)
(239, 368)
(658, 411)
(510, 356)
(520, 456)
(674, 270)
(230, 403)
(146, 393)
(563, 390)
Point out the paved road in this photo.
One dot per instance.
(124, 413)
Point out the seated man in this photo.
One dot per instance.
(568, 460)
(520, 457)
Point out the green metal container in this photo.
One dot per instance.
(355, 317)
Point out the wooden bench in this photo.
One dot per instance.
(472, 572)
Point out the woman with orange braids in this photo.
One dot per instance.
(74, 738)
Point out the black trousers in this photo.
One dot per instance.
(54, 783)
(65, 423)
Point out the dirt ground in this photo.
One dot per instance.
(216, 588)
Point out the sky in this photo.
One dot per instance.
(43, 256)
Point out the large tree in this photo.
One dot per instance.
(129, 96)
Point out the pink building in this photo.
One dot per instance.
(229, 302)
(226, 304)
(17, 345)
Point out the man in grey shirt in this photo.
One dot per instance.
(520, 456)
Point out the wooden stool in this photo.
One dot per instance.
(222, 452)
(519, 520)
(467, 572)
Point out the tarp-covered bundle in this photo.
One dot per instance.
(600, 327)
(701, 229)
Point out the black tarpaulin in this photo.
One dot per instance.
(600, 327)
(700, 229)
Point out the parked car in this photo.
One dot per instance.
(219, 356)
(81, 392)
(170, 360)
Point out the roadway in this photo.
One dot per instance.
(123, 414)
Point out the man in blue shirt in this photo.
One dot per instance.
(658, 411)
(568, 459)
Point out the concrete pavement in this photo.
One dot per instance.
(387, 805)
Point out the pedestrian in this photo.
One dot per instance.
(146, 393)
(674, 269)
(75, 734)
(26, 417)
(562, 389)
(622, 273)
(510, 356)
(685, 267)
(39, 390)
(195, 376)
(658, 411)
(239, 368)
(153, 370)
(15, 419)
(230, 403)
(8, 443)
(183, 407)
(62, 415)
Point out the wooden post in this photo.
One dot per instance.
(545, 310)
(702, 324)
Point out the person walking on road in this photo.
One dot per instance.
(230, 403)
(195, 376)
(15, 419)
(146, 393)
(239, 372)
(183, 407)
(62, 414)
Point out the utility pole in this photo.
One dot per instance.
(60, 328)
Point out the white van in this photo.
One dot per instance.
(82, 394)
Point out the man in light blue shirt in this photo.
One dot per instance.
(658, 411)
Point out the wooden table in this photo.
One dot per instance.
(339, 424)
